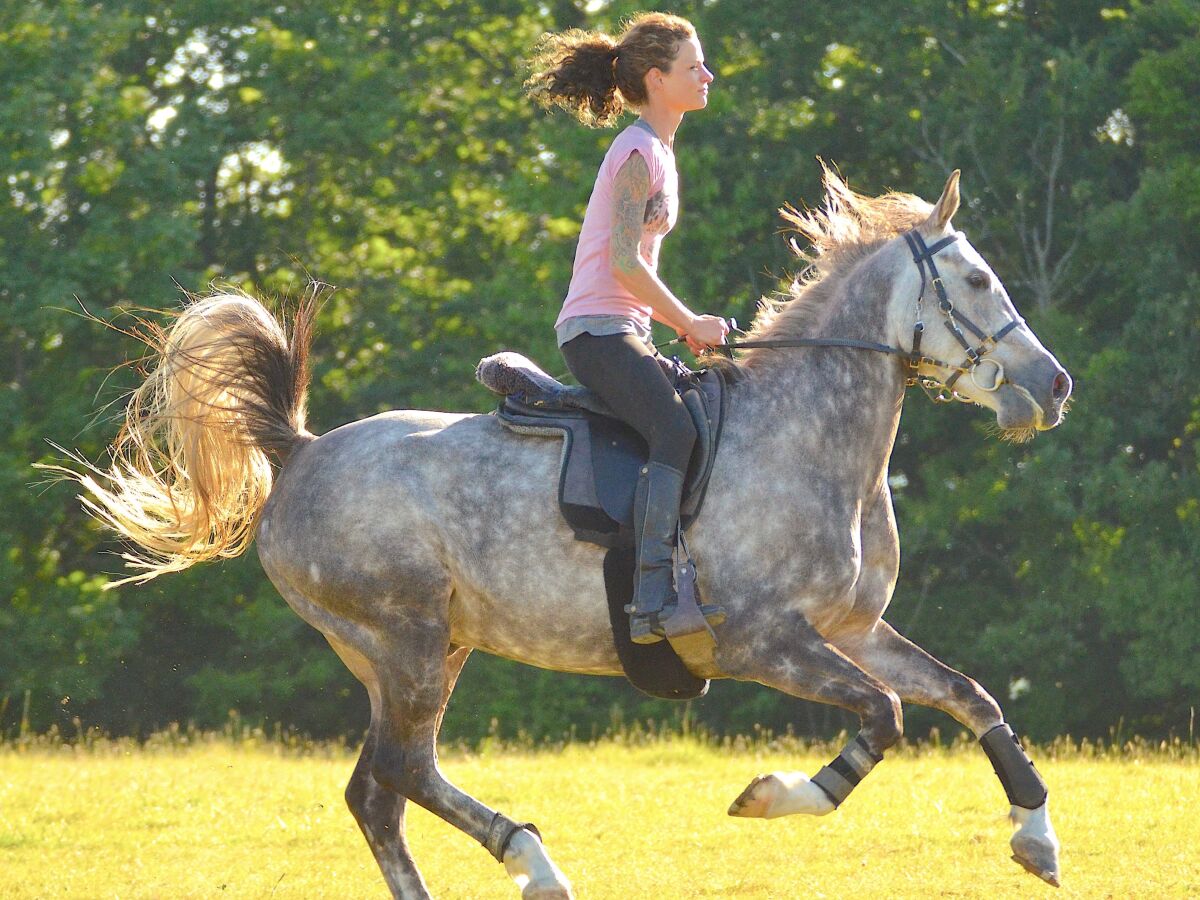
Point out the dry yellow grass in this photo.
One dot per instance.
(623, 819)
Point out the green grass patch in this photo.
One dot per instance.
(640, 814)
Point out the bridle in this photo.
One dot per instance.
(954, 320)
(939, 392)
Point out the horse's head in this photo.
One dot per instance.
(977, 348)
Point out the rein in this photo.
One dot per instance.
(938, 391)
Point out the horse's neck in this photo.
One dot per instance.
(843, 405)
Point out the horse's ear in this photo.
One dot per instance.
(946, 206)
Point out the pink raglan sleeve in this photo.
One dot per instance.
(636, 140)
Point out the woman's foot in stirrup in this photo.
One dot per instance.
(713, 615)
(644, 628)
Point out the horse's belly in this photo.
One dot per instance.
(560, 627)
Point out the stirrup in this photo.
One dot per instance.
(650, 628)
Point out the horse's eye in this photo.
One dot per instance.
(978, 279)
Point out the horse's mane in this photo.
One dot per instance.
(846, 229)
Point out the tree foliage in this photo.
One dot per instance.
(385, 147)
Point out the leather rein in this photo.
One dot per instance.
(954, 320)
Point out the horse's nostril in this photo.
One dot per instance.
(1061, 385)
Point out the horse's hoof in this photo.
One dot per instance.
(755, 800)
(1049, 877)
(1035, 845)
(546, 892)
(781, 794)
(534, 872)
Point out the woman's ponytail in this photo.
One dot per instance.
(595, 77)
(576, 70)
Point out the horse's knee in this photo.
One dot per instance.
(985, 712)
(405, 769)
(359, 788)
(388, 767)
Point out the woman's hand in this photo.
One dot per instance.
(705, 332)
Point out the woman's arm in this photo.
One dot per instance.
(631, 190)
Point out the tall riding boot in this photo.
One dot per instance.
(656, 524)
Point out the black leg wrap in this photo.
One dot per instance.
(1014, 768)
(501, 832)
(850, 767)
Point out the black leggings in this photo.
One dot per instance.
(626, 375)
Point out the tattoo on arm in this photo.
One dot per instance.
(631, 188)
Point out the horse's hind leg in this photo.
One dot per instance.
(810, 668)
(415, 676)
(920, 678)
(380, 814)
(379, 810)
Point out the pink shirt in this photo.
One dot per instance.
(594, 291)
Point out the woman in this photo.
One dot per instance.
(657, 68)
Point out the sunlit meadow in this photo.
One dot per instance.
(627, 817)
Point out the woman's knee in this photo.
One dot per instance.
(682, 424)
(674, 438)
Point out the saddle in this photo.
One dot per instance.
(598, 473)
(601, 454)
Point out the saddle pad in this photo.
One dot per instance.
(598, 470)
(653, 669)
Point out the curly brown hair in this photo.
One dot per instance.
(596, 77)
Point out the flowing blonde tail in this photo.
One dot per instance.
(190, 471)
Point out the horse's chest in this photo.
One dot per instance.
(834, 566)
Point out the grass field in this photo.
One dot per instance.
(215, 817)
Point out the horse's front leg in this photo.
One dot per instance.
(919, 678)
(801, 663)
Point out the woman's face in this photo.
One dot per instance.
(685, 87)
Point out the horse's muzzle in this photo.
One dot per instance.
(1037, 400)
(1054, 403)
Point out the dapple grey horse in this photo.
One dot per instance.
(411, 538)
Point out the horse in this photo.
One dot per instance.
(411, 538)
